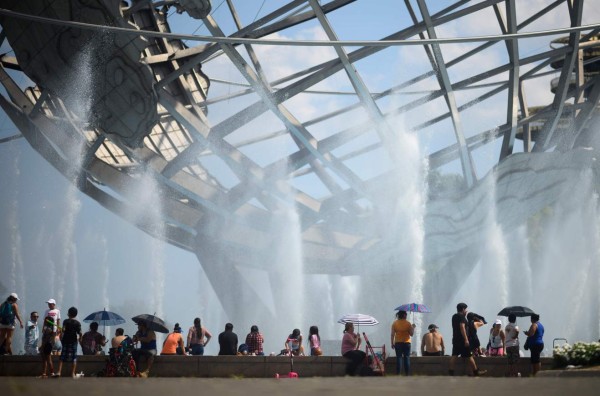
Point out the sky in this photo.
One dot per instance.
(58, 243)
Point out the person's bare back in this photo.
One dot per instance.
(433, 342)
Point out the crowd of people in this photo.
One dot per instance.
(466, 343)
(64, 338)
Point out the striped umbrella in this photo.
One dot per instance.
(358, 319)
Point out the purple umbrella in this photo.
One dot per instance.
(414, 307)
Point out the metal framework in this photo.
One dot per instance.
(200, 134)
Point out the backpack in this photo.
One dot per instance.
(7, 315)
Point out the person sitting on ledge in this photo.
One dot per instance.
(350, 349)
(255, 341)
(92, 341)
(432, 343)
(173, 344)
(147, 340)
(228, 341)
(293, 344)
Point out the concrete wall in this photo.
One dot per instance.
(259, 366)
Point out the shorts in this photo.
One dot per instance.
(496, 351)
(513, 354)
(439, 353)
(143, 352)
(7, 326)
(459, 349)
(536, 351)
(46, 348)
(68, 353)
(197, 349)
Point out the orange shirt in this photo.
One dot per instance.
(401, 329)
(171, 344)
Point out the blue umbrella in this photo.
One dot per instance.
(105, 318)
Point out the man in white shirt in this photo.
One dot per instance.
(32, 335)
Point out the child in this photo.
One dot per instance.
(48, 335)
(315, 341)
(71, 336)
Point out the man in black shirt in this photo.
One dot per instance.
(460, 340)
(228, 341)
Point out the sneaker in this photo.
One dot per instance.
(481, 372)
(55, 375)
(78, 375)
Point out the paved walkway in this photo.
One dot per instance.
(346, 386)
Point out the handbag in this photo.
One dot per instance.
(526, 346)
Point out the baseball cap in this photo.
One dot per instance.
(51, 301)
(14, 295)
(498, 321)
(432, 326)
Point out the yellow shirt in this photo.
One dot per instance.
(401, 328)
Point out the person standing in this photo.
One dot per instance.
(32, 335)
(474, 322)
(255, 341)
(71, 336)
(512, 345)
(48, 336)
(197, 338)
(460, 341)
(402, 330)
(9, 311)
(432, 343)
(54, 313)
(535, 337)
(497, 340)
(228, 341)
(350, 349)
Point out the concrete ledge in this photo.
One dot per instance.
(262, 366)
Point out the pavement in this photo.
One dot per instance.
(346, 386)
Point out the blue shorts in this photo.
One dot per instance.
(68, 353)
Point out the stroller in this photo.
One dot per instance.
(120, 361)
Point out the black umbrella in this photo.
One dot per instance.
(152, 322)
(518, 310)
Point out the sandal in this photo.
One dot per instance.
(55, 375)
(43, 376)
